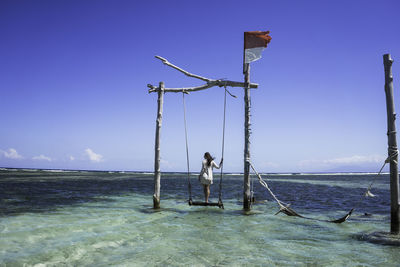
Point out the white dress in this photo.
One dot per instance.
(206, 173)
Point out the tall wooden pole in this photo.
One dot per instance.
(157, 172)
(392, 150)
(246, 180)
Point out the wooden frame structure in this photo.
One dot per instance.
(160, 89)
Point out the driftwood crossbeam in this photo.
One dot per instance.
(209, 82)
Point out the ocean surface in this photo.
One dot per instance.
(86, 218)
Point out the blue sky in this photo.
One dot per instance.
(73, 78)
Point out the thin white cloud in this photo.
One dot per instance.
(11, 154)
(71, 158)
(165, 164)
(42, 157)
(94, 157)
(268, 164)
(356, 159)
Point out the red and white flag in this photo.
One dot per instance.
(254, 43)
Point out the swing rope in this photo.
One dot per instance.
(187, 148)
(223, 149)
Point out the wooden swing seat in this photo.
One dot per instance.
(211, 204)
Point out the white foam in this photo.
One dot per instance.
(342, 173)
(29, 170)
(56, 171)
(107, 244)
(324, 173)
(77, 254)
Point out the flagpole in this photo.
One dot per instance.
(246, 172)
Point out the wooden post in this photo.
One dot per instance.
(392, 150)
(246, 180)
(157, 172)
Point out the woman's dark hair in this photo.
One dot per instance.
(209, 158)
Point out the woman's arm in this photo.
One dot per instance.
(213, 164)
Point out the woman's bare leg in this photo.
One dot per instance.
(206, 192)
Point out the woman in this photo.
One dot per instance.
(206, 174)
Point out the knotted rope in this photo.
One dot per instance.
(393, 153)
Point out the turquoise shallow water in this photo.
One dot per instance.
(103, 219)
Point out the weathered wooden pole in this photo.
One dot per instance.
(247, 103)
(254, 43)
(392, 150)
(157, 172)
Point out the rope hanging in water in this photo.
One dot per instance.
(285, 208)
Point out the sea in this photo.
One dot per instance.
(105, 218)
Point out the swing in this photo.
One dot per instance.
(219, 204)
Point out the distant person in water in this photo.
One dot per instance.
(206, 173)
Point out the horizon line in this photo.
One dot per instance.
(149, 172)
